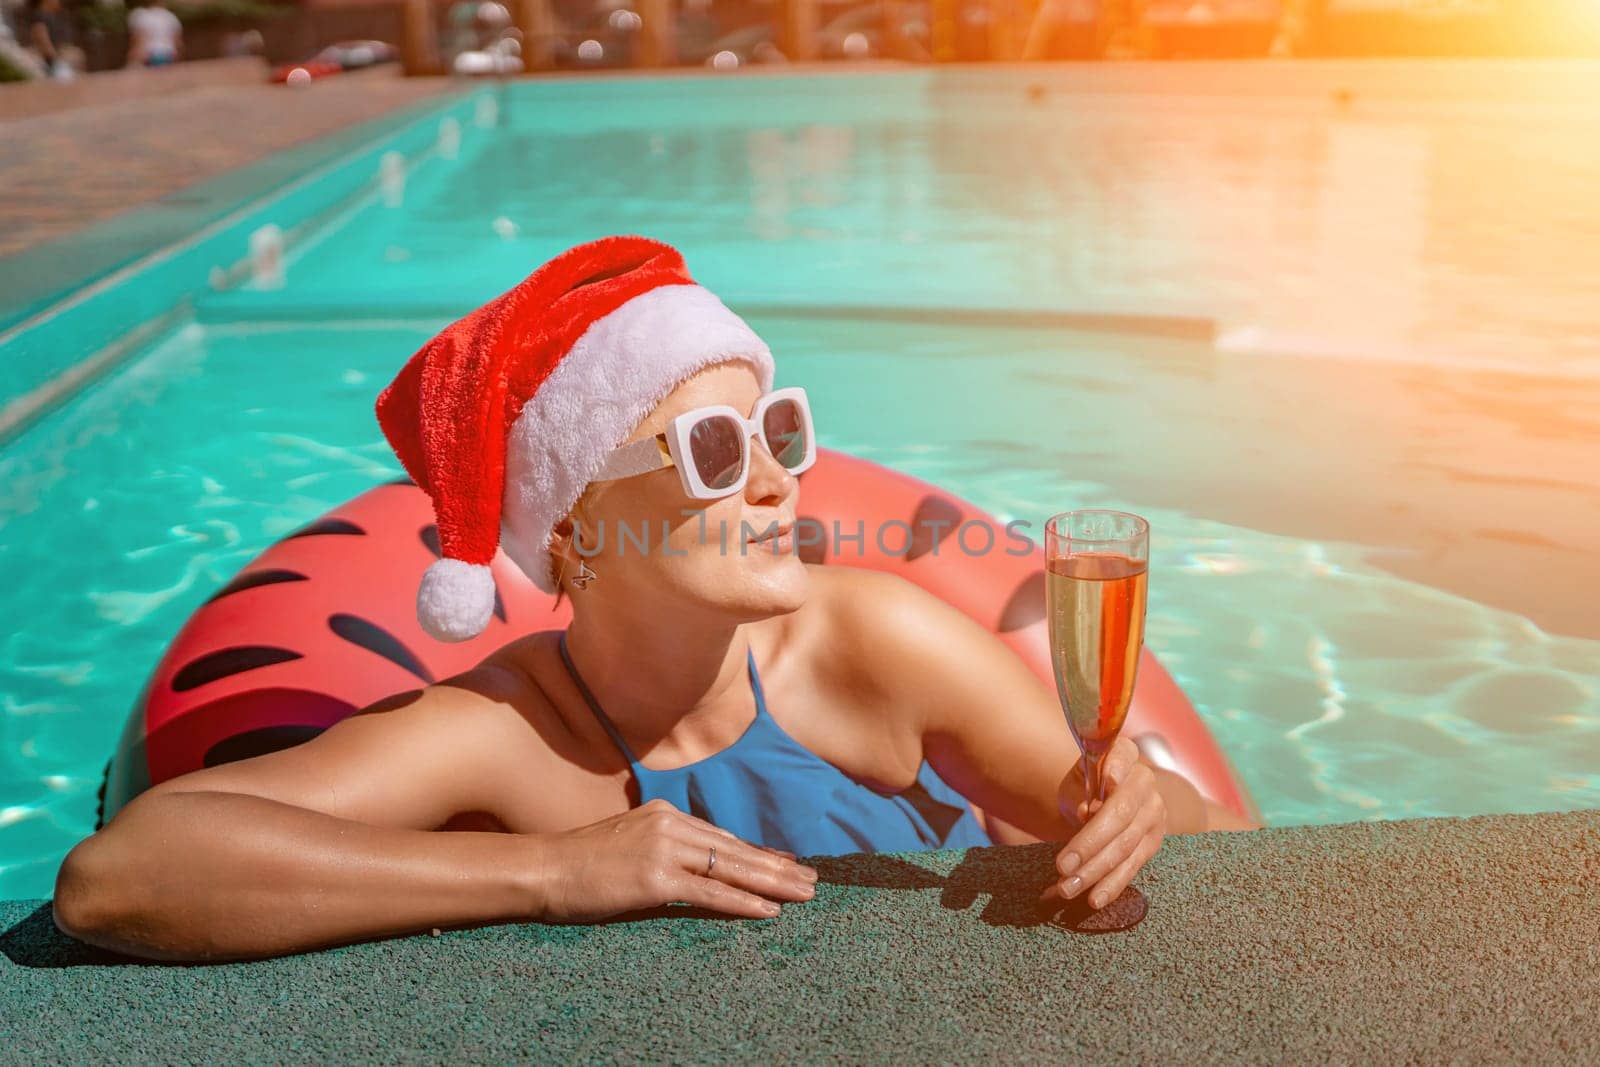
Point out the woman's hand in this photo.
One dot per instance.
(1117, 837)
(655, 855)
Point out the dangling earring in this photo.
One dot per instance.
(580, 580)
(585, 573)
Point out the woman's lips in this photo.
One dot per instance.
(779, 542)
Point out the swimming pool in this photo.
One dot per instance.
(918, 249)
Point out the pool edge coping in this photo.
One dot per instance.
(330, 182)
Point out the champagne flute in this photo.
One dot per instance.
(1096, 567)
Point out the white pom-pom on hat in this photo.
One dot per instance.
(455, 600)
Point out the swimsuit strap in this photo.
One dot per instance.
(594, 705)
(755, 684)
(610, 727)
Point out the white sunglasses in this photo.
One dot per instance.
(710, 446)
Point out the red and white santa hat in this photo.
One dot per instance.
(507, 415)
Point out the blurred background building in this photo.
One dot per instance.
(728, 34)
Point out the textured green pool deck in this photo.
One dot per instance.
(1472, 940)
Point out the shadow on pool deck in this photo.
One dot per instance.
(1011, 878)
(34, 941)
(1463, 940)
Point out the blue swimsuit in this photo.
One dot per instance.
(770, 790)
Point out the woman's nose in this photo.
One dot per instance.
(770, 481)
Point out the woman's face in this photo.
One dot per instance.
(649, 541)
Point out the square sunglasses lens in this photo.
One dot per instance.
(783, 427)
(716, 445)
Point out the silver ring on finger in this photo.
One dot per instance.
(711, 862)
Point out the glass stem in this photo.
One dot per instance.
(1093, 783)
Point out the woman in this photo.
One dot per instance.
(715, 707)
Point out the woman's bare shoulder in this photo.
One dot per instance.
(530, 669)
(877, 630)
(496, 721)
(899, 639)
(414, 759)
(877, 610)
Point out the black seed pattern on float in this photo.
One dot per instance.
(374, 638)
(1026, 605)
(258, 742)
(811, 539)
(328, 526)
(934, 520)
(255, 580)
(430, 540)
(227, 662)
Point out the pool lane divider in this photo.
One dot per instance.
(53, 354)
(20, 412)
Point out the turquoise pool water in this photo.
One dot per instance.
(908, 250)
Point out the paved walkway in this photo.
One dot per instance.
(64, 171)
(1461, 941)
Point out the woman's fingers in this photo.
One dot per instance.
(1114, 767)
(1106, 860)
(1122, 758)
(1119, 810)
(655, 854)
(747, 867)
(718, 896)
(1112, 885)
(785, 862)
(738, 863)
(1109, 837)
(713, 828)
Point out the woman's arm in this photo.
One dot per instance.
(316, 844)
(201, 875)
(996, 734)
(989, 726)
(330, 842)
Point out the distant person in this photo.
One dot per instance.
(50, 33)
(156, 33)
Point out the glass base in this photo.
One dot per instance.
(1124, 913)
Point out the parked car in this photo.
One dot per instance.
(357, 55)
(304, 73)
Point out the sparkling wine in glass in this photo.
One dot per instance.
(1096, 569)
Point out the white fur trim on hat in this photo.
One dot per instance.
(614, 375)
(455, 599)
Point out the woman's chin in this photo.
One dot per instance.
(768, 584)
